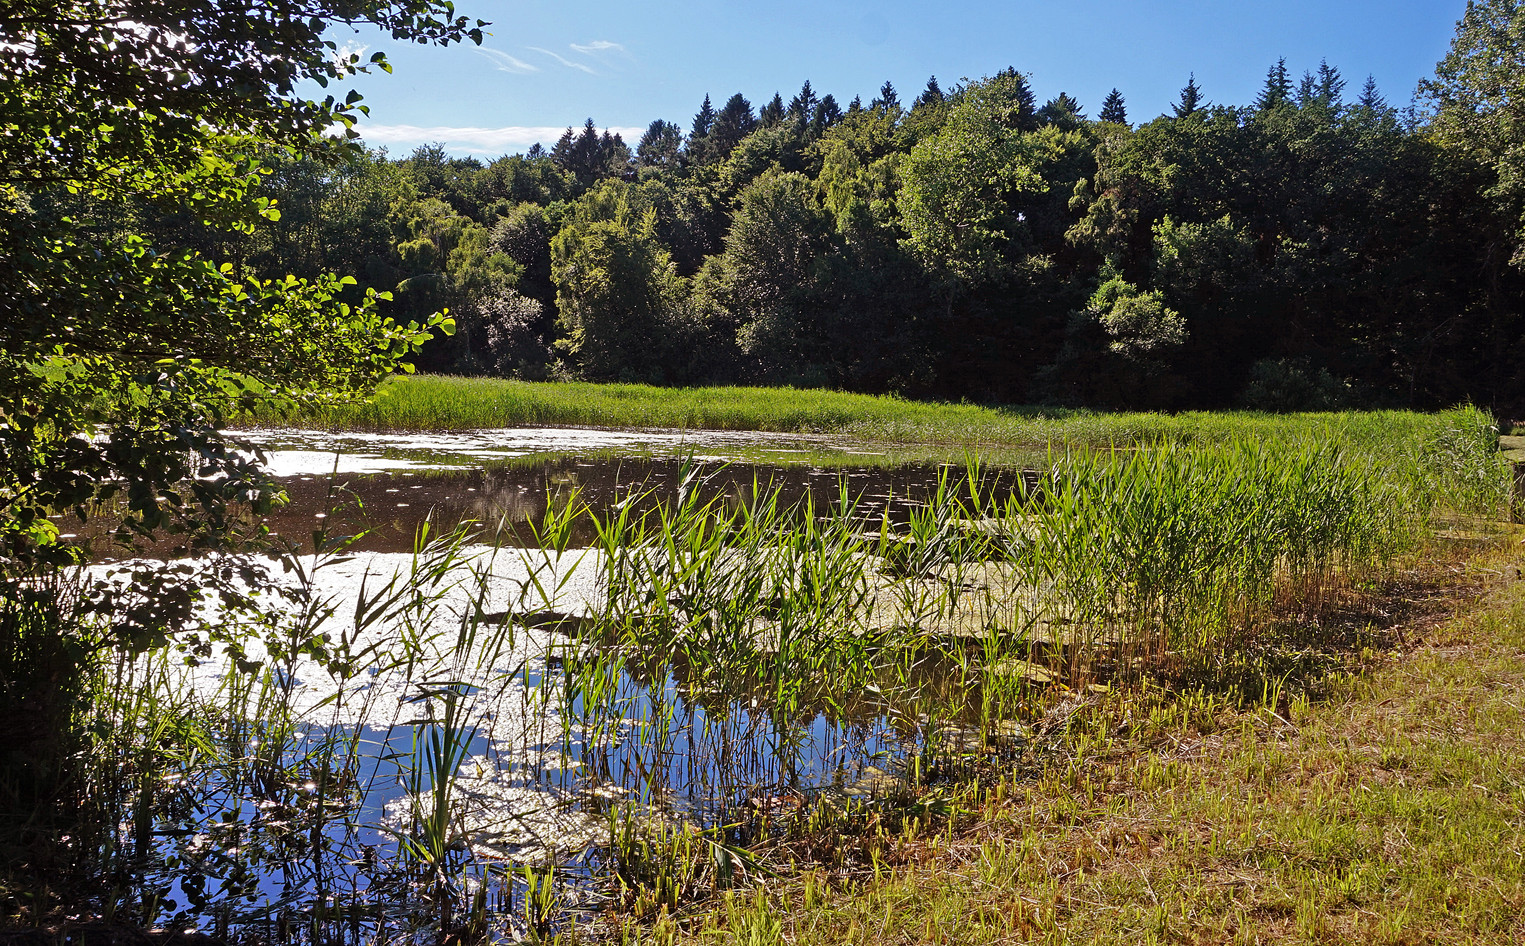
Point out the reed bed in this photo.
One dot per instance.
(755, 684)
(431, 402)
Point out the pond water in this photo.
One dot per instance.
(460, 701)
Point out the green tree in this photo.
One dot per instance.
(1479, 98)
(616, 288)
(1113, 109)
(1062, 111)
(931, 95)
(767, 275)
(1191, 98)
(961, 202)
(1371, 99)
(119, 357)
(704, 120)
(802, 106)
(660, 146)
(730, 125)
(1277, 89)
(773, 112)
(589, 156)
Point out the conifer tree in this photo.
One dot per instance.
(855, 106)
(1307, 90)
(703, 121)
(1113, 109)
(1191, 98)
(1062, 111)
(1330, 85)
(931, 95)
(733, 122)
(888, 98)
(1027, 102)
(772, 113)
(1278, 87)
(802, 106)
(736, 116)
(827, 115)
(563, 147)
(1371, 100)
(661, 144)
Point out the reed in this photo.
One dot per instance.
(751, 676)
(434, 403)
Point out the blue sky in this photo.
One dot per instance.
(552, 64)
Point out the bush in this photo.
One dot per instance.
(1288, 385)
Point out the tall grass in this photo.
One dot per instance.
(750, 674)
(427, 403)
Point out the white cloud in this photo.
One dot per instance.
(503, 61)
(509, 139)
(597, 46)
(349, 49)
(569, 63)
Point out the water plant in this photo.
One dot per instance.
(718, 680)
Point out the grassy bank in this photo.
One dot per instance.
(1389, 811)
(452, 403)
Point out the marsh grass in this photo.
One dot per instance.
(1385, 813)
(438, 403)
(759, 687)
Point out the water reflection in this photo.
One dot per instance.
(557, 729)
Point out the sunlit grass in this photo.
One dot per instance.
(1387, 813)
(425, 402)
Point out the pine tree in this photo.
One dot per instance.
(773, 112)
(855, 106)
(1191, 98)
(734, 122)
(1330, 85)
(827, 113)
(586, 156)
(660, 146)
(1027, 102)
(888, 99)
(1278, 87)
(1307, 90)
(736, 115)
(802, 106)
(1371, 99)
(561, 152)
(931, 95)
(1062, 111)
(703, 121)
(1113, 108)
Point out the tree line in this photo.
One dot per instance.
(1316, 249)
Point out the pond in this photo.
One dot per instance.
(545, 654)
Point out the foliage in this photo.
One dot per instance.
(1479, 95)
(119, 354)
(615, 289)
(973, 226)
(964, 185)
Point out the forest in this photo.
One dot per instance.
(1318, 248)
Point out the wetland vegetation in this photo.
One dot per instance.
(615, 706)
(749, 664)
